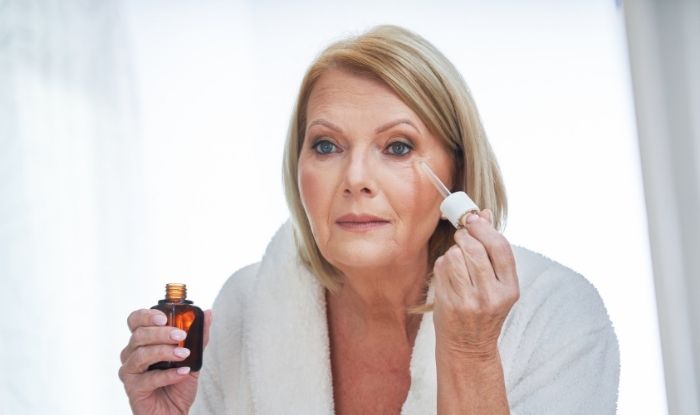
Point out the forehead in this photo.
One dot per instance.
(341, 90)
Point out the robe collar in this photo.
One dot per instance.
(287, 344)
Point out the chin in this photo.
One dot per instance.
(361, 254)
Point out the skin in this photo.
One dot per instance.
(347, 166)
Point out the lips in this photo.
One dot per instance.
(361, 223)
(353, 218)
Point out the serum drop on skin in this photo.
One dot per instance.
(181, 313)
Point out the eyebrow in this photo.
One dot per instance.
(380, 129)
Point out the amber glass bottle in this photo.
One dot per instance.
(185, 316)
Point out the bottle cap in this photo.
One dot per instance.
(454, 206)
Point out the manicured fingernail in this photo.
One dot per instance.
(159, 320)
(471, 218)
(178, 335)
(181, 352)
(183, 370)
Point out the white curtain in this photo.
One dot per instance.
(71, 204)
(664, 49)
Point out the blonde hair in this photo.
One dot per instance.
(433, 88)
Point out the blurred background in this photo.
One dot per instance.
(141, 143)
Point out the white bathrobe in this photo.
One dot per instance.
(269, 349)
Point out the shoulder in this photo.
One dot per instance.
(559, 349)
(223, 357)
(228, 312)
(554, 297)
(545, 279)
(236, 290)
(234, 298)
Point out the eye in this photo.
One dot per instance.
(399, 148)
(323, 147)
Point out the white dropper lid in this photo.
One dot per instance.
(455, 205)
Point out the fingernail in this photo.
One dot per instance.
(181, 352)
(471, 218)
(183, 370)
(159, 320)
(178, 335)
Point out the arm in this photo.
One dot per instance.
(476, 285)
(471, 385)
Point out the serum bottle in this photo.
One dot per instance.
(181, 313)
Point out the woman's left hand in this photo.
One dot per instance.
(476, 285)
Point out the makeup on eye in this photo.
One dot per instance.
(322, 142)
(318, 143)
(406, 145)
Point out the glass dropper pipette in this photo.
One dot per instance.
(455, 205)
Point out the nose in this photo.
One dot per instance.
(359, 179)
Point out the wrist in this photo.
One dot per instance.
(470, 382)
(461, 366)
(451, 351)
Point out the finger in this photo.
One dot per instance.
(497, 247)
(144, 356)
(144, 336)
(488, 215)
(443, 285)
(146, 317)
(456, 288)
(208, 316)
(155, 379)
(437, 280)
(456, 270)
(476, 258)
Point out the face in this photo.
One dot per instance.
(368, 203)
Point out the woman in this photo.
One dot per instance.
(366, 301)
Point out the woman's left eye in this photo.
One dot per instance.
(400, 148)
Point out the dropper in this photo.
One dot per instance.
(455, 205)
(439, 185)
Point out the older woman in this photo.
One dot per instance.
(366, 301)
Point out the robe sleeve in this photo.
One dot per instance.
(209, 399)
(573, 362)
(222, 386)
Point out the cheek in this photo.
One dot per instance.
(411, 195)
(402, 185)
(314, 189)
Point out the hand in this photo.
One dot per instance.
(476, 285)
(169, 391)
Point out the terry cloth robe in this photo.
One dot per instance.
(269, 349)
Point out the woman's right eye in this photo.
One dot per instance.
(324, 147)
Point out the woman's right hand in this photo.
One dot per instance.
(169, 391)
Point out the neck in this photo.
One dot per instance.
(379, 299)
